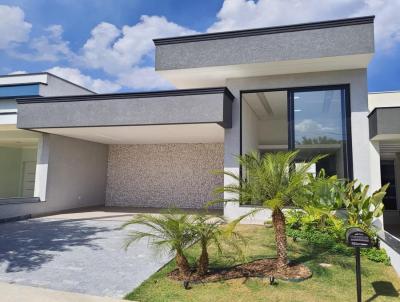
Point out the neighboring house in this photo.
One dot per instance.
(384, 133)
(289, 87)
(21, 184)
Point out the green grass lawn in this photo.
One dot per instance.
(335, 283)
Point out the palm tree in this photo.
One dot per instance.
(273, 181)
(170, 230)
(210, 230)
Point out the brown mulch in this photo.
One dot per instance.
(257, 268)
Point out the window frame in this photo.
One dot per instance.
(346, 119)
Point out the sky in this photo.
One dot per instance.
(106, 45)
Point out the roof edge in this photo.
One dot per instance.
(265, 30)
(46, 73)
(129, 95)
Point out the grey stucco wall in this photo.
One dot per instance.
(384, 122)
(297, 45)
(206, 108)
(76, 177)
(164, 175)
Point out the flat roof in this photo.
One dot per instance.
(265, 30)
(128, 95)
(35, 78)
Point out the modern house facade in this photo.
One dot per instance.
(279, 88)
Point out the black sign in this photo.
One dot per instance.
(356, 237)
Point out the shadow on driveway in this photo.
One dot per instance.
(27, 245)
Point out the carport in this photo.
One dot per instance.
(153, 149)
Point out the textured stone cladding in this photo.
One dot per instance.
(164, 175)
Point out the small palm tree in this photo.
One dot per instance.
(170, 230)
(210, 230)
(272, 180)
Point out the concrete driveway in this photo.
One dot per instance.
(78, 252)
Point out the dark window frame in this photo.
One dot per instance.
(346, 119)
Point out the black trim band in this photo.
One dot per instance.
(151, 94)
(9, 113)
(265, 30)
(37, 129)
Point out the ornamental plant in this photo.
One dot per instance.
(273, 180)
(362, 208)
(171, 231)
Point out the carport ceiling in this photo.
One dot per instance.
(152, 134)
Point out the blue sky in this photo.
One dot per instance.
(106, 44)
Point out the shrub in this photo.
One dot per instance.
(376, 255)
(324, 240)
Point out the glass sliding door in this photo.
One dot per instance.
(318, 125)
(312, 120)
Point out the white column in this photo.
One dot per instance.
(375, 174)
(42, 167)
(375, 166)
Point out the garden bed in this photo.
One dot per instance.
(333, 276)
(257, 268)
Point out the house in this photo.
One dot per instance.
(299, 87)
(20, 150)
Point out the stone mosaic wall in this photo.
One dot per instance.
(165, 175)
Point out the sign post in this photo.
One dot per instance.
(357, 238)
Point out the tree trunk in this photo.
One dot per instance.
(203, 261)
(182, 264)
(278, 220)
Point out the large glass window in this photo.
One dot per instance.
(319, 128)
(18, 153)
(313, 121)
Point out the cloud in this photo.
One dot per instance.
(118, 50)
(13, 27)
(144, 78)
(127, 53)
(18, 72)
(242, 14)
(308, 126)
(49, 47)
(74, 75)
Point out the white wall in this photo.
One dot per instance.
(383, 99)
(273, 132)
(249, 129)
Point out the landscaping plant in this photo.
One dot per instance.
(210, 230)
(272, 180)
(328, 207)
(361, 208)
(172, 231)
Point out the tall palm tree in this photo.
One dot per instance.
(272, 180)
(172, 231)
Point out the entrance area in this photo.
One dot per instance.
(390, 173)
(155, 166)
